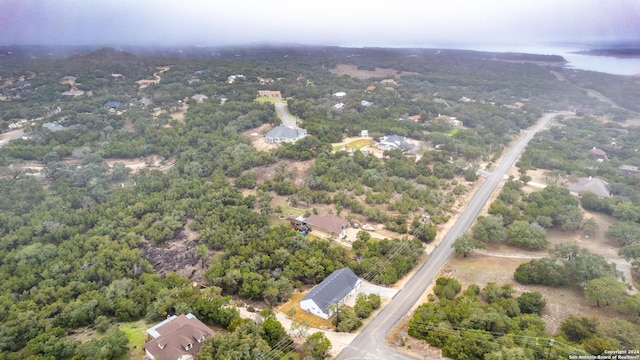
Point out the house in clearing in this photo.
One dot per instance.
(199, 98)
(599, 187)
(337, 287)
(176, 338)
(629, 170)
(270, 93)
(280, 134)
(329, 223)
(599, 154)
(68, 80)
(392, 142)
(112, 105)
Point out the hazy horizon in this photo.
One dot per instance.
(401, 23)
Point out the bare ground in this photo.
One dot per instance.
(177, 255)
(353, 71)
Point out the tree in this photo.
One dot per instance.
(299, 328)
(590, 227)
(363, 306)
(624, 232)
(577, 329)
(630, 305)
(202, 251)
(447, 288)
(464, 244)
(526, 235)
(345, 320)
(489, 229)
(605, 289)
(112, 345)
(274, 332)
(531, 303)
(316, 346)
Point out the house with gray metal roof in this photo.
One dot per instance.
(280, 134)
(337, 287)
(393, 142)
(597, 186)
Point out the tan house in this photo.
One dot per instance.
(329, 223)
(176, 338)
(270, 94)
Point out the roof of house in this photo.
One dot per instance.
(340, 94)
(333, 288)
(598, 152)
(328, 222)
(146, 101)
(597, 186)
(629, 167)
(52, 127)
(172, 336)
(284, 132)
(112, 104)
(199, 97)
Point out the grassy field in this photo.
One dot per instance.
(136, 333)
(453, 132)
(265, 99)
(356, 144)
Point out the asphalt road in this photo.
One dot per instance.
(17, 135)
(370, 342)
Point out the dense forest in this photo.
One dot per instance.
(77, 224)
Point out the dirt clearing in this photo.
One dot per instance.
(353, 71)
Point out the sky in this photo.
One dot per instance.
(397, 23)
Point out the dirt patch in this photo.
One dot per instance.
(146, 82)
(353, 71)
(151, 161)
(177, 255)
(258, 139)
(301, 315)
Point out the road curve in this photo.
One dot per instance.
(370, 342)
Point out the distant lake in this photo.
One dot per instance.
(605, 64)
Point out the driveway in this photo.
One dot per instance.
(282, 110)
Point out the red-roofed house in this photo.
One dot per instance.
(329, 223)
(599, 154)
(177, 338)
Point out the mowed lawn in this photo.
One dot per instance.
(266, 99)
(136, 333)
(356, 144)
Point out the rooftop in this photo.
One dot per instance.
(333, 288)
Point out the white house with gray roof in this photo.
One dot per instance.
(597, 186)
(392, 142)
(280, 134)
(337, 287)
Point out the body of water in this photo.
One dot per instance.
(605, 64)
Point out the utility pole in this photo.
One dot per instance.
(551, 342)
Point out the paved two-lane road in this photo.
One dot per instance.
(370, 342)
